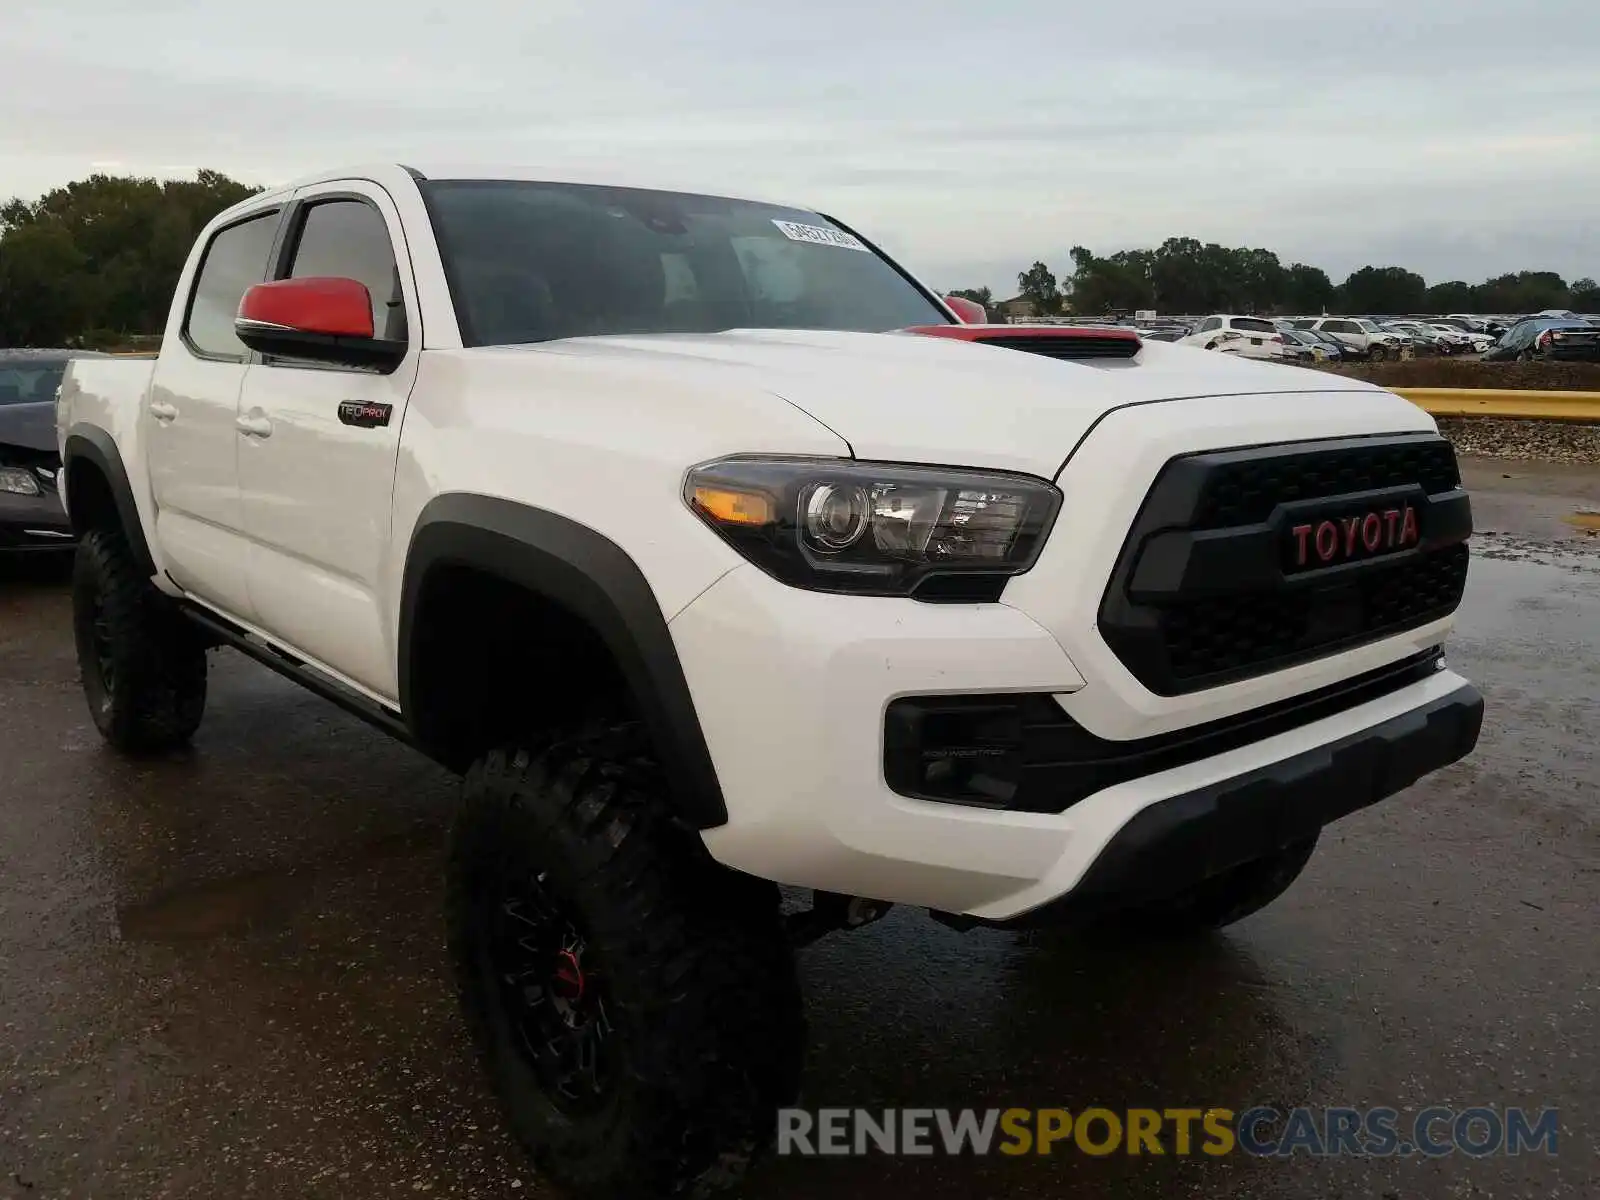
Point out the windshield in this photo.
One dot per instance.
(528, 262)
(30, 383)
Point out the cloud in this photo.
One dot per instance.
(1455, 139)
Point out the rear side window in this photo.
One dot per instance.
(235, 261)
(30, 383)
(1254, 325)
(349, 239)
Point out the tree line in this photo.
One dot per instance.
(96, 261)
(1184, 276)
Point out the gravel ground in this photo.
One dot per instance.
(1544, 441)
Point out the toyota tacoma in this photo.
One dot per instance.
(715, 554)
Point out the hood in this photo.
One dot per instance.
(30, 426)
(903, 397)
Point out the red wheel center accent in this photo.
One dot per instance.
(569, 977)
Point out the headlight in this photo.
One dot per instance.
(18, 480)
(836, 525)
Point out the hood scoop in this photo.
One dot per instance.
(1072, 342)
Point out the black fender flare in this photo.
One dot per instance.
(593, 578)
(90, 444)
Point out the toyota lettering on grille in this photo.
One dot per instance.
(1344, 539)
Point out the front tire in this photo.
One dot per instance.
(1229, 897)
(636, 1004)
(1377, 354)
(143, 665)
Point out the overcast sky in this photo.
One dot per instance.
(1459, 139)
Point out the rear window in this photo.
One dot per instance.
(1254, 325)
(30, 383)
(529, 262)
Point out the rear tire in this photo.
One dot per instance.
(636, 1004)
(143, 664)
(1229, 897)
(1377, 354)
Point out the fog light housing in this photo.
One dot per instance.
(19, 481)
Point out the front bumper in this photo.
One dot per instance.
(792, 689)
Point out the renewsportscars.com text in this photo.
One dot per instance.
(1434, 1132)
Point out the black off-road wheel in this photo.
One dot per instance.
(143, 664)
(635, 1003)
(1229, 897)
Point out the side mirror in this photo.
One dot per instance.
(321, 319)
(970, 311)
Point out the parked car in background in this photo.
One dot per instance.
(1359, 335)
(1250, 337)
(1411, 338)
(1548, 338)
(1493, 326)
(31, 515)
(1467, 341)
(1305, 345)
(1432, 339)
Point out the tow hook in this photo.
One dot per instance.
(830, 911)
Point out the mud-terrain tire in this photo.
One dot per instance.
(660, 985)
(142, 663)
(1231, 896)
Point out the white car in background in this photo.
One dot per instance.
(1472, 340)
(1365, 337)
(1249, 337)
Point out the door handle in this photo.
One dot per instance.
(254, 426)
(162, 411)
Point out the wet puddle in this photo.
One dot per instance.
(257, 902)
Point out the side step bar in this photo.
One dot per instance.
(290, 667)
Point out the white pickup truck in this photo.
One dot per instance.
(663, 520)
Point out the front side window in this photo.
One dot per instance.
(530, 262)
(235, 261)
(349, 239)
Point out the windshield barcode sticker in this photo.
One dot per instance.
(818, 235)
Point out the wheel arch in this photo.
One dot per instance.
(96, 489)
(563, 563)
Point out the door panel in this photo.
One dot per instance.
(191, 439)
(316, 491)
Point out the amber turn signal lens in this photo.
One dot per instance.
(735, 507)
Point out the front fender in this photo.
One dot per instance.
(592, 578)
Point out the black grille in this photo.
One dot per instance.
(1217, 599)
(1256, 632)
(1072, 346)
(1246, 491)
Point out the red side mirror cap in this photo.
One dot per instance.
(327, 306)
(319, 319)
